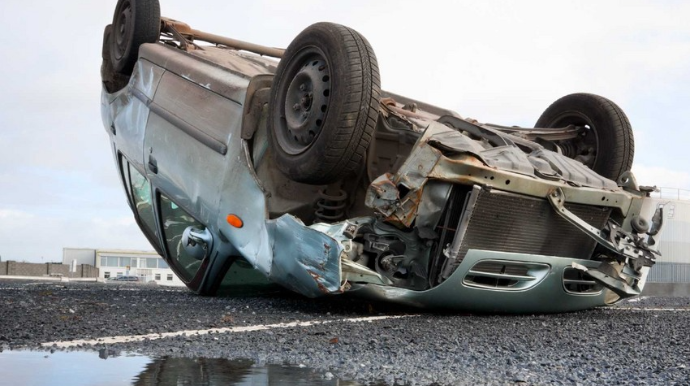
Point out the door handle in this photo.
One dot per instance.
(153, 165)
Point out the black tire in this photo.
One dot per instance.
(105, 50)
(135, 22)
(608, 146)
(113, 81)
(324, 104)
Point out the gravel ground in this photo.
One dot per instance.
(638, 342)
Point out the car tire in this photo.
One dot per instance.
(112, 80)
(324, 104)
(135, 22)
(607, 146)
(105, 50)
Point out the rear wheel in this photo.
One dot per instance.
(606, 145)
(324, 104)
(112, 80)
(135, 22)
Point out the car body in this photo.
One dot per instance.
(441, 211)
(126, 278)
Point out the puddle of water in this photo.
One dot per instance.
(35, 368)
(109, 368)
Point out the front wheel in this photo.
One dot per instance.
(606, 144)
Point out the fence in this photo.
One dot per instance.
(14, 268)
(672, 194)
(663, 272)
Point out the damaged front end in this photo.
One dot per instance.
(507, 195)
(483, 220)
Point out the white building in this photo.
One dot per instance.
(673, 266)
(112, 263)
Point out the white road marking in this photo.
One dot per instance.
(645, 309)
(260, 327)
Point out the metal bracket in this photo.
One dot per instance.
(627, 248)
(615, 240)
(628, 182)
(619, 286)
(180, 32)
(557, 200)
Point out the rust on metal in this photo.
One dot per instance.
(193, 34)
(468, 170)
(179, 26)
(406, 211)
(391, 104)
(317, 278)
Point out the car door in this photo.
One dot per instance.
(140, 200)
(186, 143)
(162, 222)
(187, 136)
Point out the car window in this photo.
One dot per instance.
(175, 220)
(124, 169)
(141, 196)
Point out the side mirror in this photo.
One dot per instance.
(197, 242)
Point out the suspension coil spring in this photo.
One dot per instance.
(568, 148)
(331, 207)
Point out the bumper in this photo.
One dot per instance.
(544, 293)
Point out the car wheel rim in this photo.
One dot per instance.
(585, 147)
(304, 102)
(123, 28)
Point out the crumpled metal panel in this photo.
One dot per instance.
(452, 141)
(146, 78)
(414, 172)
(434, 198)
(384, 192)
(445, 154)
(573, 171)
(511, 158)
(305, 260)
(508, 158)
(286, 251)
(383, 195)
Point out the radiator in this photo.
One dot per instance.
(507, 222)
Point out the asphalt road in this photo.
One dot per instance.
(636, 343)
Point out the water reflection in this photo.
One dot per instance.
(217, 372)
(75, 368)
(109, 367)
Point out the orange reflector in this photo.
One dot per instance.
(235, 221)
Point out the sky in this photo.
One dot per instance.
(496, 61)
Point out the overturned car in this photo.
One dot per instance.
(246, 164)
